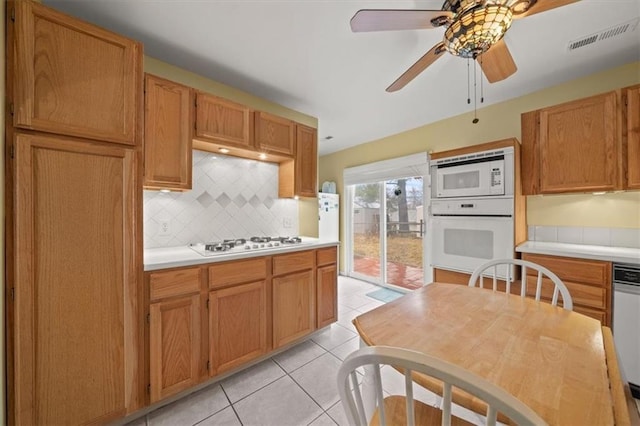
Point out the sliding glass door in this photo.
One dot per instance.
(404, 233)
(367, 212)
(387, 232)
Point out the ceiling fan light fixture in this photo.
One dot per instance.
(519, 7)
(477, 29)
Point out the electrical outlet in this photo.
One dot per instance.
(286, 222)
(165, 228)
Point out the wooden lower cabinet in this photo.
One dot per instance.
(293, 307)
(175, 330)
(226, 314)
(326, 286)
(451, 277)
(174, 345)
(327, 307)
(237, 325)
(588, 281)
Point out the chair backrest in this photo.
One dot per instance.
(497, 399)
(559, 287)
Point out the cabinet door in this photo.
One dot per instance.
(168, 121)
(327, 295)
(74, 78)
(222, 121)
(237, 325)
(76, 348)
(579, 146)
(631, 129)
(293, 307)
(174, 345)
(530, 152)
(274, 134)
(306, 161)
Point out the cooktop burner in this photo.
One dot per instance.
(243, 244)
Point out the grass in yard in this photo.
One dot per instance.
(406, 250)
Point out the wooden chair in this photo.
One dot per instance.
(559, 287)
(404, 409)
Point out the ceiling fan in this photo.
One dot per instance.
(474, 30)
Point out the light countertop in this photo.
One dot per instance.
(172, 257)
(584, 251)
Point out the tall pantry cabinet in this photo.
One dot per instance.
(74, 188)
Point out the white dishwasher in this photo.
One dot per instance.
(626, 321)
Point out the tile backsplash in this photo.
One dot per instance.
(231, 198)
(611, 237)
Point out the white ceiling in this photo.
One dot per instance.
(303, 55)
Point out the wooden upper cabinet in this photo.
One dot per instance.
(298, 176)
(572, 147)
(274, 134)
(74, 78)
(221, 121)
(168, 124)
(306, 161)
(631, 134)
(76, 346)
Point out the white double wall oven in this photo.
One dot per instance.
(472, 210)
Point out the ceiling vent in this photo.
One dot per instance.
(615, 31)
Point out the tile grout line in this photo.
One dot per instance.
(309, 395)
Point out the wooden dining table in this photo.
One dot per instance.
(550, 358)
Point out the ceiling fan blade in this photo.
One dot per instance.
(497, 62)
(415, 69)
(390, 20)
(543, 6)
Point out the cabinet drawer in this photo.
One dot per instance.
(298, 261)
(174, 283)
(593, 313)
(326, 256)
(581, 294)
(592, 272)
(236, 272)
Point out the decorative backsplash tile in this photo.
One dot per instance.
(231, 198)
(611, 237)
